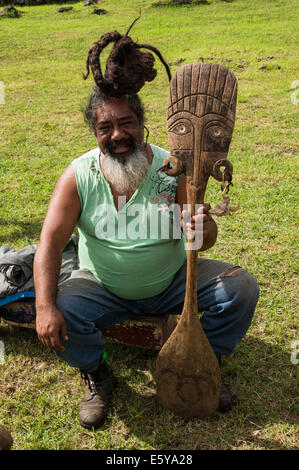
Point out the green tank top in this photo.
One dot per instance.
(136, 251)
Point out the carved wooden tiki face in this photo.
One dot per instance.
(200, 119)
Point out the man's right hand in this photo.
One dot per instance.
(50, 327)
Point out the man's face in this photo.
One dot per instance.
(118, 130)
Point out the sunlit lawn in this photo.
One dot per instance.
(42, 57)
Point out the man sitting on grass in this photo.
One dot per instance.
(129, 264)
(121, 275)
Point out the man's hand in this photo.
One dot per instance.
(50, 326)
(201, 216)
(203, 220)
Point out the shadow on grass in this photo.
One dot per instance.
(260, 374)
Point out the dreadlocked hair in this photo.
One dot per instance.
(127, 68)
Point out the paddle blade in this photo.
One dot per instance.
(187, 372)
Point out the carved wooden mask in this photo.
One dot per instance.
(200, 121)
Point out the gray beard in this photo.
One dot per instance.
(126, 176)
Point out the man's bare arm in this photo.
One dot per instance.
(63, 213)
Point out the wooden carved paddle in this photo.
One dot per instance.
(200, 121)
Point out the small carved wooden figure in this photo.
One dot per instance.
(200, 120)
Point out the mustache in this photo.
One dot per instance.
(130, 143)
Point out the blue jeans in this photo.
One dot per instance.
(226, 294)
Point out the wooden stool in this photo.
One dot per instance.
(148, 332)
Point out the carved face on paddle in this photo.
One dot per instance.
(200, 120)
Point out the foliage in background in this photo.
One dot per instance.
(35, 2)
(49, 2)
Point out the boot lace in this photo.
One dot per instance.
(96, 381)
(89, 382)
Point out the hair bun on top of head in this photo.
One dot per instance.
(127, 68)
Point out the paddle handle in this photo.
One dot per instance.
(195, 188)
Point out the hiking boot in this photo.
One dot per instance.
(226, 396)
(93, 407)
(226, 399)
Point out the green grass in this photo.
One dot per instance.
(42, 56)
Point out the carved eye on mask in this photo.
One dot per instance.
(217, 139)
(216, 131)
(183, 127)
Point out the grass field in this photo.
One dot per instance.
(42, 57)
